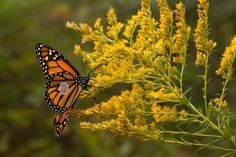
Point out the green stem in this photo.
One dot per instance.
(132, 34)
(206, 119)
(107, 38)
(205, 79)
(199, 144)
(184, 62)
(189, 133)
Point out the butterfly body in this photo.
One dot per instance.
(63, 83)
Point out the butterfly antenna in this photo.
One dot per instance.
(83, 65)
(94, 70)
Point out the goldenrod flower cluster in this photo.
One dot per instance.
(140, 54)
(227, 60)
(181, 37)
(147, 57)
(217, 102)
(204, 46)
(165, 26)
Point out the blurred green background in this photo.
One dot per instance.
(25, 120)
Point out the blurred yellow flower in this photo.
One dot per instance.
(220, 103)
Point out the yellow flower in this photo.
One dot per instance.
(220, 103)
(163, 95)
(130, 27)
(225, 69)
(78, 51)
(111, 17)
(114, 125)
(138, 58)
(163, 113)
(163, 32)
(119, 105)
(147, 23)
(72, 25)
(97, 25)
(203, 45)
(161, 46)
(181, 37)
(114, 27)
(87, 33)
(182, 114)
(201, 58)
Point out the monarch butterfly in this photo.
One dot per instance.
(63, 84)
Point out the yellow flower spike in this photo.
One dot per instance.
(114, 125)
(162, 95)
(111, 17)
(98, 46)
(119, 105)
(227, 60)
(140, 121)
(146, 22)
(78, 51)
(181, 36)
(145, 5)
(201, 59)
(203, 45)
(86, 31)
(166, 18)
(183, 114)
(220, 103)
(112, 107)
(161, 46)
(130, 27)
(72, 25)
(86, 57)
(114, 27)
(97, 25)
(163, 113)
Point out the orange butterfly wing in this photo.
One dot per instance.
(60, 121)
(61, 91)
(52, 61)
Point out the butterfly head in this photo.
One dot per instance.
(83, 81)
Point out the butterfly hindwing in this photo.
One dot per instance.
(61, 91)
(60, 121)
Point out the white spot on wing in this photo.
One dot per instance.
(63, 88)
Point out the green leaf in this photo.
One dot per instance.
(227, 133)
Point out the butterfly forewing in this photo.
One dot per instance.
(52, 61)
